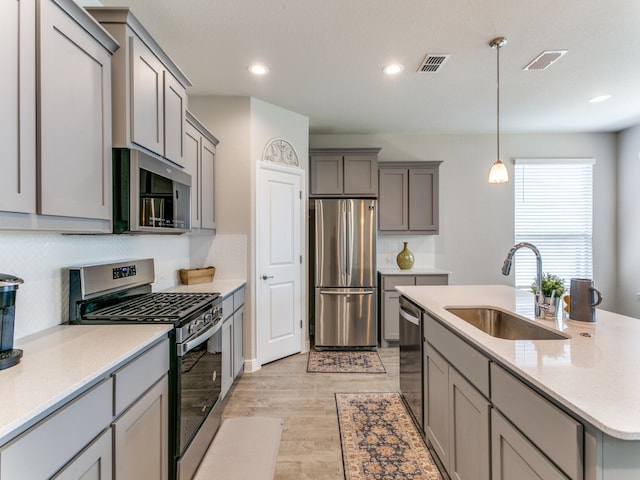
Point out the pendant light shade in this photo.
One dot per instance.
(498, 173)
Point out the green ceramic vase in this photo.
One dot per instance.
(405, 258)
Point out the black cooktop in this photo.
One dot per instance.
(155, 306)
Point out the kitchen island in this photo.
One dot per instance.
(590, 379)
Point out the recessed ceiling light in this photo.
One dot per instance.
(393, 69)
(258, 69)
(600, 98)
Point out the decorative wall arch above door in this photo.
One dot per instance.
(280, 151)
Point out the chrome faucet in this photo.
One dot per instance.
(506, 268)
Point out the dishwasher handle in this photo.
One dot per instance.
(409, 318)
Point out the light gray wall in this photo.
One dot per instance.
(476, 218)
(228, 118)
(629, 222)
(244, 126)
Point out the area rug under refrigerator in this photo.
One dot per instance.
(327, 361)
(379, 439)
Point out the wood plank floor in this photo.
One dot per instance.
(310, 446)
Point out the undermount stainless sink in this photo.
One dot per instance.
(502, 324)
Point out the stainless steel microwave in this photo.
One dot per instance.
(150, 195)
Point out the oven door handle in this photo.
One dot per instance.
(200, 339)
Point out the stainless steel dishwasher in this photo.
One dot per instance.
(411, 370)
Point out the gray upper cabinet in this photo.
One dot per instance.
(60, 152)
(408, 194)
(344, 172)
(18, 112)
(199, 162)
(149, 90)
(75, 146)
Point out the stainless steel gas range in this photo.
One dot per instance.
(121, 292)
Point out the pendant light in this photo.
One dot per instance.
(498, 173)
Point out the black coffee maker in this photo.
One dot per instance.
(8, 286)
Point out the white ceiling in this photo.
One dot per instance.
(326, 57)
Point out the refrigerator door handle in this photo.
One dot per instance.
(343, 219)
(349, 236)
(333, 292)
(347, 239)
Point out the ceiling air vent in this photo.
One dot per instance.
(432, 63)
(545, 60)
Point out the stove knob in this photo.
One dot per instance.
(192, 327)
(208, 318)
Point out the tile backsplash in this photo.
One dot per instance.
(422, 247)
(41, 260)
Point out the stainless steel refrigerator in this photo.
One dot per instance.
(345, 273)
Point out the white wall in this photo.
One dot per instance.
(628, 260)
(476, 218)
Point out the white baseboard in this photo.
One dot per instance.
(252, 365)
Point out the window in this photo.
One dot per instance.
(553, 211)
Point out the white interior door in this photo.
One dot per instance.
(279, 263)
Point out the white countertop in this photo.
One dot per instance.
(412, 271)
(62, 361)
(223, 286)
(596, 377)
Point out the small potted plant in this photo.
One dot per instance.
(550, 283)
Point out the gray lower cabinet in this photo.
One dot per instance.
(483, 422)
(481, 417)
(344, 172)
(232, 337)
(60, 437)
(227, 355)
(457, 420)
(141, 436)
(238, 340)
(514, 457)
(408, 197)
(436, 408)
(93, 463)
(116, 429)
(390, 301)
(557, 436)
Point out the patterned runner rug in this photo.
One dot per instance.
(344, 362)
(379, 439)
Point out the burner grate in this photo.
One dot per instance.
(155, 305)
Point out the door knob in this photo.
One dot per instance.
(264, 277)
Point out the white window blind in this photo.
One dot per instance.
(553, 211)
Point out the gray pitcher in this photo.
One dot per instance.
(584, 297)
